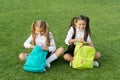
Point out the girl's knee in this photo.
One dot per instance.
(22, 57)
(98, 55)
(67, 57)
(61, 49)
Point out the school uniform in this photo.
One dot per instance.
(79, 34)
(40, 40)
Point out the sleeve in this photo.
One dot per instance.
(69, 35)
(89, 39)
(28, 42)
(52, 46)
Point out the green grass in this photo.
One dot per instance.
(16, 17)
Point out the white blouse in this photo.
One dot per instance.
(40, 40)
(79, 34)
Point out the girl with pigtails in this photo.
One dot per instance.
(41, 36)
(79, 31)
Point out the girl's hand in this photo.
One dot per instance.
(45, 48)
(80, 40)
(76, 40)
(90, 44)
(32, 46)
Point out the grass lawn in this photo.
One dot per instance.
(16, 17)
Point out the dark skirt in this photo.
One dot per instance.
(70, 50)
(48, 55)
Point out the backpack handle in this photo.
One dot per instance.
(84, 44)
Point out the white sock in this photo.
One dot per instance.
(51, 58)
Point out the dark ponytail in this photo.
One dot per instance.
(87, 29)
(72, 24)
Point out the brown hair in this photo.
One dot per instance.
(72, 24)
(41, 24)
(87, 28)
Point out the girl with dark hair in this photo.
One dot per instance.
(79, 30)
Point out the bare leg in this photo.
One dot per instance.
(22, 56)
(68, 57)
(97, 55)
(59, 52)
(54, 56)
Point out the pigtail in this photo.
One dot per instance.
(87, 29)
(88, 24)
(33, 33)
(72, 24)
(73, 21)
(47, 34)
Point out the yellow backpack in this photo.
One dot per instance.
(83, 56)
